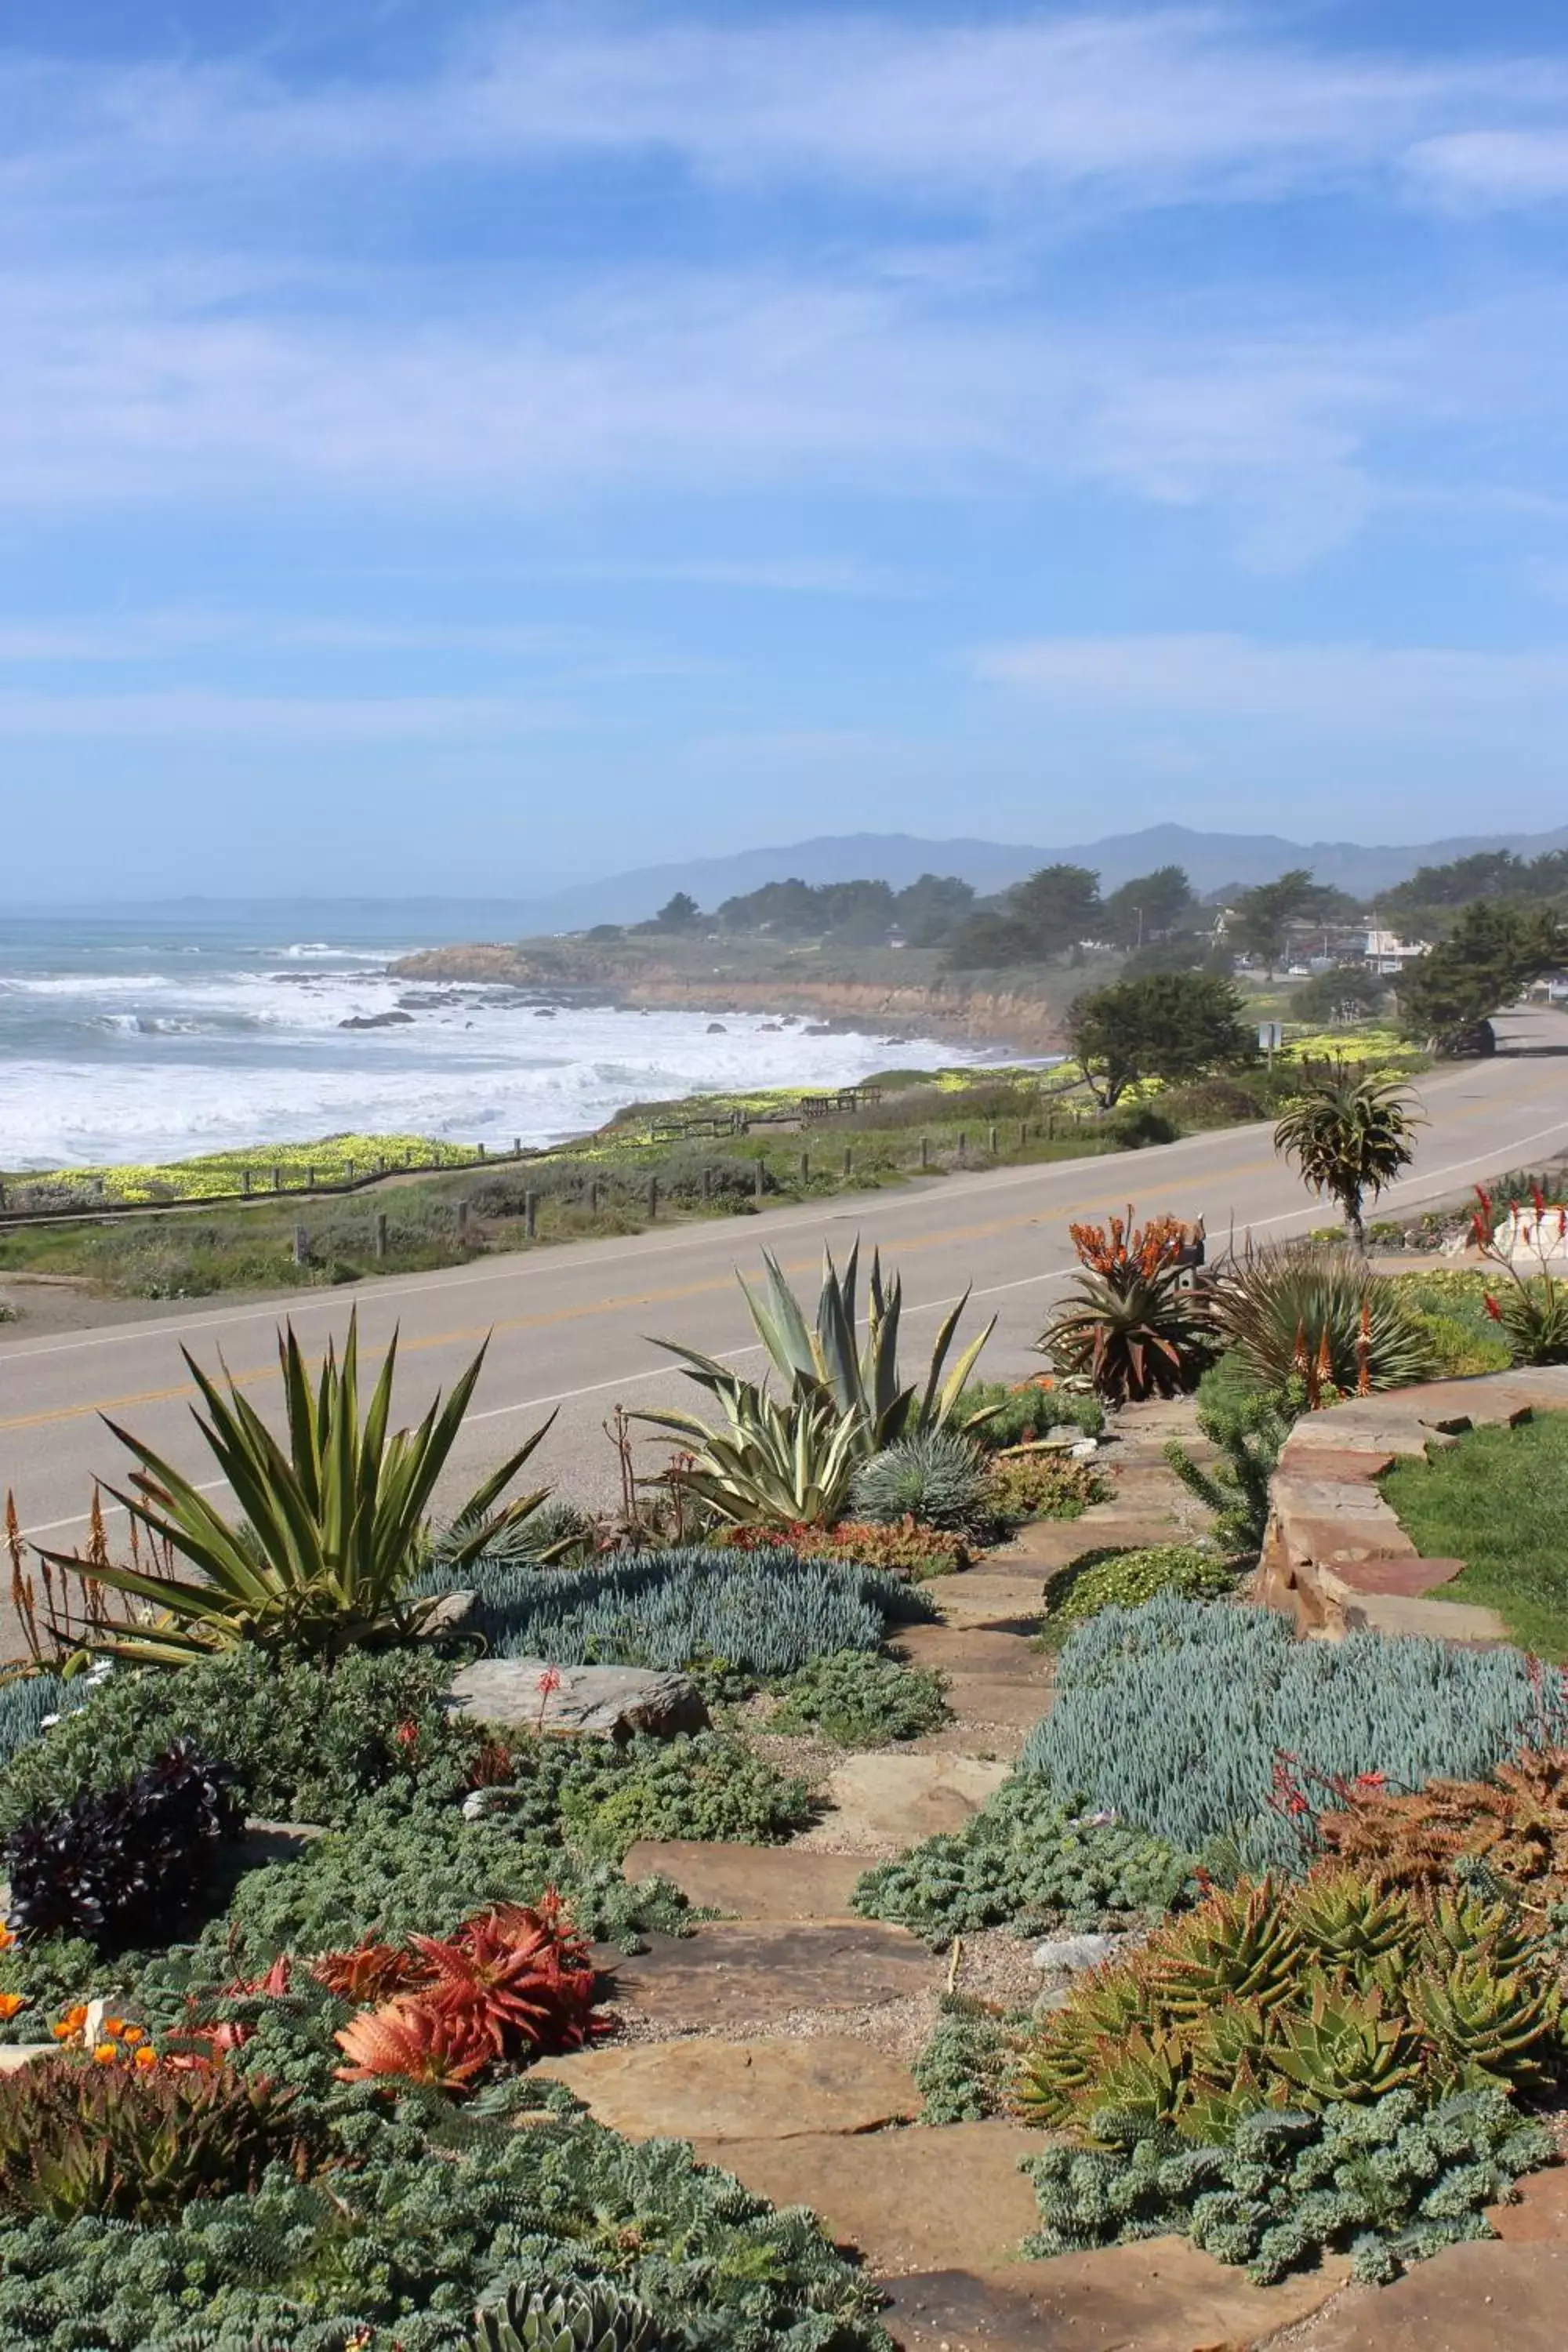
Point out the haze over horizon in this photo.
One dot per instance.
(474, 453)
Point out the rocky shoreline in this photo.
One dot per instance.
(1013, 1021)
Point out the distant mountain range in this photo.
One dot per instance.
(1212, 860)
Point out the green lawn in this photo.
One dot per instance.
(1498, 1501)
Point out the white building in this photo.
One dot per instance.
(1386, 953)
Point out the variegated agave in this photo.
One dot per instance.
(792, 1458)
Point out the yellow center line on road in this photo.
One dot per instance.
(988, 1229)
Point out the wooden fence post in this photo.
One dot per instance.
(380, 1233)
(531, 1216)
(301, 1246)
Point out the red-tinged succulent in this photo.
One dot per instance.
(414, 2041)
(272, 1985)
(370, 1972)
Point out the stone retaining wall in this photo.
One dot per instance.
(1334, 1554)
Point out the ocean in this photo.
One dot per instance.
(149, 1037)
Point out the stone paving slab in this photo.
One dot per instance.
(1410, 1577)
(753, 1881)
(1441, 1620)
(889, 1798)
(998, 1698)
(913, 2200)
(956, 1653)
(1161, 2295)
(717, 2091)
(1469, 2298)
(998, 1603)
(754, 1973)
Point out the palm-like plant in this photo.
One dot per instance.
(1351, 1134)
(333, 1526)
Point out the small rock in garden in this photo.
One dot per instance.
(1082, 1448)
(1074, 1952)
(452, 1610)
(606, 1701)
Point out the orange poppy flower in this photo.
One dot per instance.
(10, 2002)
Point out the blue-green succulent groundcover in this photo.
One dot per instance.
(1176, 1716)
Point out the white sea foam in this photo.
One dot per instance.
(151, 1066)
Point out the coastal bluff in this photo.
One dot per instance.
(1021, 1020)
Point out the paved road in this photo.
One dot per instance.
(569, 1324)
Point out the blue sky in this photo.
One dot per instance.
(477, 447)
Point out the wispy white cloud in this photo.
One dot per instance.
(1221, 676)
(1492, 169)
(1158, 103)
(194, 714)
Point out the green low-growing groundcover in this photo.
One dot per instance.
(396, 2215)
(1497, 1499)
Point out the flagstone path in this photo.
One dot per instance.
(778, 2037)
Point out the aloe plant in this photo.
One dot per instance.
(333, 1528)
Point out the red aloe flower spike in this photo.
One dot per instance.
(415, 2041)
(1493, 1309)
(1538, 1199)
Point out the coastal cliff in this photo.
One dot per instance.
(1022, 1020)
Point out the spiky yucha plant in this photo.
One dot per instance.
(332, 1528)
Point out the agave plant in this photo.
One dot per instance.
(597, 2317)
(834, 1367)
(771, 1465)
(333, 1526)
(1317, 1316)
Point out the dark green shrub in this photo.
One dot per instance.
(1387, 2182)
(1175, 1717)
(937, 1477)
(305, 1742)
(1137, 1125)
(861, 1699)
(117, 1868)
(399, 1869)
(770, 1612)
(1027, 1861)
(961, 2073)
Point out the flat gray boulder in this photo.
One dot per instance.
(602, 1702)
